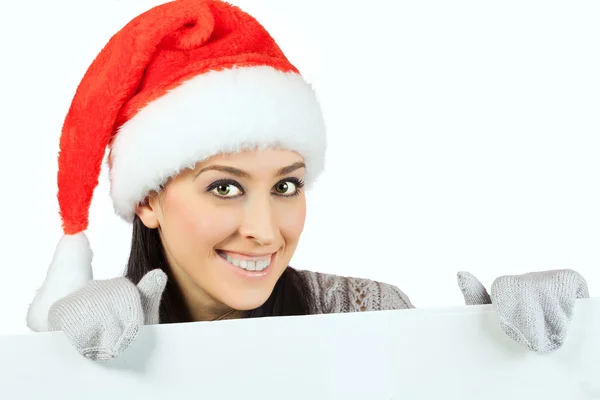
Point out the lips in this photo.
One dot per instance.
(246, 262)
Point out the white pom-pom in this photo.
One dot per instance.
(69, 271)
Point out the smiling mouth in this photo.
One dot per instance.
(247, 263)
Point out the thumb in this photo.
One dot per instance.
(151, 288)
(581, 287)
(472, 289)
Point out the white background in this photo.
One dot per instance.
(463, 135)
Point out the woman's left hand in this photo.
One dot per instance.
(534, 309)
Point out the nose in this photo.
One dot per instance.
(259, 222)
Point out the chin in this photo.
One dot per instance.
(247, 304)
(246, 290)
(249, 299)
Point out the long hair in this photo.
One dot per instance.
(291, 295)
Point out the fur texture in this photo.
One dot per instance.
(152, 55)
(217, 112)
(69, 271)
(185, 80)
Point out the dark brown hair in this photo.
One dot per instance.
(291, 295)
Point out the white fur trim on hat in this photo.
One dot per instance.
(216, 112)
(69, 271)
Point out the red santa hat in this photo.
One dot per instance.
(181, 82)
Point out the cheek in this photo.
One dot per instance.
(291, 221)
(192, 228)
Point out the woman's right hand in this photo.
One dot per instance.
(102, 319)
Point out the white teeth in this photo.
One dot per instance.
(248, 265)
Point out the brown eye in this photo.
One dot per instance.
(285, 188)
(223, 190)
(226, 190)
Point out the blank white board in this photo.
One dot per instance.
(453, 353)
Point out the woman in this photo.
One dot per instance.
(213, 138)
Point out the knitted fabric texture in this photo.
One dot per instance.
(104, 318)
(534, 309)
(178, 84)
(339, 294)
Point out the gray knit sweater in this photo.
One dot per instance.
(339, 294)
(548, 297)
(114, 304)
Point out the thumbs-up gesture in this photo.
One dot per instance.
(102, 319)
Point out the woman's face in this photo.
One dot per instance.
(230, 227)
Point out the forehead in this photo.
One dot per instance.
(259, 160)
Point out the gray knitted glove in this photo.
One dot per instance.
(102, 319)
(534, 309)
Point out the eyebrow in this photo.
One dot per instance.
(243, 174)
